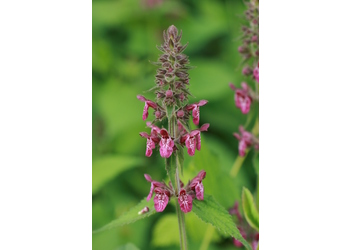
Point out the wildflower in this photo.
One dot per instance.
(197, 185)
(185, 201)
(154, 184)
(195, 110)
(246, 140)
(243, 98)
(152, 139)
(256, 73)
(192, 140)
(161, 199)
(166, 144)
(148, 103)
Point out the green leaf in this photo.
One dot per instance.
(250, 211)
(210, 211)
(130, 216)
(107, 168)
(180, 158)
(128, 246)
(166, 231)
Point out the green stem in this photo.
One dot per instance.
(177, 186)
(207, 238)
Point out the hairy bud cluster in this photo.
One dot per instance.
(171, 96)
(163, 193)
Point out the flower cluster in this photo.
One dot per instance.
(246, 231)
(163, 193)
(246, 140)
(245, 96)
(250, 52)
(171, 91)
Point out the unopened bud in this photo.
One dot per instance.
(246, 71)
(158, 114)
(172, 32)
(254, 38)
(241, 49)
(169, 93)
(180, 113)
(144, 210)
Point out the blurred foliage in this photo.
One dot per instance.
(124, 38)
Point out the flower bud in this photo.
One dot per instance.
(169, 93)
(172, 32)
(180, 113)
(246, 71)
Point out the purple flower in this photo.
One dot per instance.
(148, 104)
(197, 185)
(243, 99)
(193, 140)
(166, 144)
(256, 73)
(246, 140)
(195, 110)
(185, 201)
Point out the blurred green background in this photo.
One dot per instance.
(124, 38)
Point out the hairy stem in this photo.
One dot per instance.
(172, 123)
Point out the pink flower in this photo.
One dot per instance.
(246, 140)
(148, 104)
(256, 73)
(166, 144)
(195, 110)
(161, 199)
(193, 140)
(154, 184)
(152, 139)
(197, 185)
(243, 99)
(185, 201)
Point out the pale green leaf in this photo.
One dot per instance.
(128, 246)
(107, 168)
(166, 231)
(131, 216)
(250, 211)
(210, 211)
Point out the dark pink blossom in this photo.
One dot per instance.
(195, 110)
(166, 144)
(193, 140)
(161, 199)
(197, 185)
(246, 140)
(243, 99)
(148, 103)
(185, 201)
(154, 184)
(152, 139)
(256, 73)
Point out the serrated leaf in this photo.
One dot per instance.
(250, 211)
(130, 216)
(107, 168)
(210, 211)
(166, 231)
